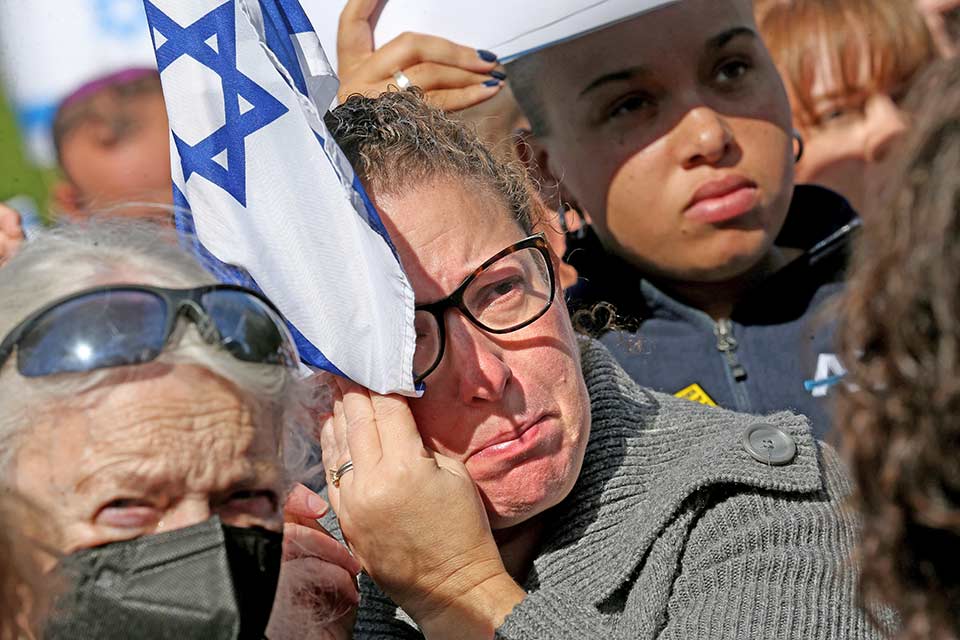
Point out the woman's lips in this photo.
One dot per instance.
(722, 200)
(515, 444)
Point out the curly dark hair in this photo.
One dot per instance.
(900, 416)
(397, 140)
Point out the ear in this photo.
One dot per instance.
(67, 198)
(535, 157)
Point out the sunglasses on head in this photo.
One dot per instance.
(120, 325)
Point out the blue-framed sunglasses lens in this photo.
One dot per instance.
(94, 331)
(248, 327)
(119, 327)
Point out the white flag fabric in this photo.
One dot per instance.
(265, 192)
(509, 28)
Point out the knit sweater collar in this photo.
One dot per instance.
(648, 454)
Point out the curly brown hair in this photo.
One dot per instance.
(900, 416)
(397, 140)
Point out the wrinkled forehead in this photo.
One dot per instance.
(171, 425)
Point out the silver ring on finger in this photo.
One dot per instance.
(337, 474)
(402, 80)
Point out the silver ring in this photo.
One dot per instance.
(402, 80)
(337, 474)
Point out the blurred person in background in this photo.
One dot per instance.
(158, 419)
(901, 336)
(673, 130)
(464, 81)
(11, 233)
(113, 146)
(847, 65)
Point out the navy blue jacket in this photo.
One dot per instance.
(777, 349)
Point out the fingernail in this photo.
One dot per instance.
(317, 504)
(487, 56)
(499, 75)
(492, 83)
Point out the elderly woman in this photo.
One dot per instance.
(534, 490)
(150, 412)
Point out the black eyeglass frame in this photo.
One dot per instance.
(455, 300)
(178, 302)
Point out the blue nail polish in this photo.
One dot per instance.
(487, 56)
(492, 83)
(499, 75)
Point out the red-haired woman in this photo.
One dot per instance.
(846, 65)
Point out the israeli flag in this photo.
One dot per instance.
(267, 197)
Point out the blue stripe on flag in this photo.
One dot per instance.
(373, 217)
(282, 19)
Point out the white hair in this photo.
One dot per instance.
(71, 258)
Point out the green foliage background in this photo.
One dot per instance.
(17, 175)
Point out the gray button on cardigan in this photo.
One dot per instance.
(674, 530)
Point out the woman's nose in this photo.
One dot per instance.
(476, 361)
(886, 124)
(704, 137)
(186, 513)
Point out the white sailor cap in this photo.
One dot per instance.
(509, 28)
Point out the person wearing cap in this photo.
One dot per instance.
(670, 124)
(112, 141)
(111, 138)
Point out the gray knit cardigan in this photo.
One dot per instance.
(673, 530)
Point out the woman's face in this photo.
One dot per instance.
(162, 451)
(683, 159)
(852, 133)
(120, 155)
(513, 408)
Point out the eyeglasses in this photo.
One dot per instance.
(122, 325)
(506, 293)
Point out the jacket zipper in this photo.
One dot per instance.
(737, 373)
(727, 345)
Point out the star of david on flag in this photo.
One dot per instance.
(265, 196)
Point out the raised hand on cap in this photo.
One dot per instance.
(452, 76)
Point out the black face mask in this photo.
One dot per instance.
(208, 582)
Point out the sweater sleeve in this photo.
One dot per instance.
(765, 565)
(549, 614)
(378, 617)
